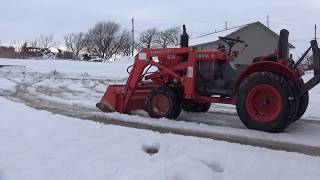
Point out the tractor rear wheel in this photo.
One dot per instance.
(191, 106)
(163, 102)
(265, 102)
(303, 105)
(302, 101)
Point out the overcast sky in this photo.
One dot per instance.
(27, 19)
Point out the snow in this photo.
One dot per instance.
(314, 99)
(83, 92)
(114, 70)
(6, 85)
(300, 133)
(41, 145)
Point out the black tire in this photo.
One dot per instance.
(303, 105)
(191, 106)
(272, 109)
(204, 107)
(302, 101)
(188, 106)
(173, 105)
(178, 96)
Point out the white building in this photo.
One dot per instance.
(260, 39)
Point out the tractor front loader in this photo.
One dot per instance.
(269, 94)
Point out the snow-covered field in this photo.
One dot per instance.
(74, 68)
(39, 145)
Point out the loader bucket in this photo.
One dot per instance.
(112, 99)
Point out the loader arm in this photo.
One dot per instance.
(316, 67)
(117, 97)
(133, 79)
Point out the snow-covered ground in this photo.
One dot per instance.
(74, 68)
(59, 147)
(95, 71)
(84, 90)
(39, 145)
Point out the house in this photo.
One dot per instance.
(260, 39)
(33, 52)
(8, 52)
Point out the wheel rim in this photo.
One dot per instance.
(264, 103)
(160, 104)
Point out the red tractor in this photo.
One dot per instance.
(269, 94)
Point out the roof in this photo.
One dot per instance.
(213, 37)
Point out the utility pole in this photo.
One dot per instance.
(315, 32)
(226, 25)
(268, 22)
(132, 38)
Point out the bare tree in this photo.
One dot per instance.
(175, 35)
(148, 38)
(46, 41)
(168, 37)
(17, 44)
(24, 47)
(34, 43)
(105, 39)
(308, 61)
(75, 43)
(24, 50)
(126, 46)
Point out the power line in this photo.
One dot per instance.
(221, 31)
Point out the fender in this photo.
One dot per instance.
(270, 66)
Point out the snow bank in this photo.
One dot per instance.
(40, 145)
(6, 85)
(115, 69)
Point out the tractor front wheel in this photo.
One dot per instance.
(163, 102)
(265, 102)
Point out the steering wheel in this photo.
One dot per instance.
(228, 40)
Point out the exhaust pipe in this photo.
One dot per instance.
(184, 38)
(283, 44)
(184, 43)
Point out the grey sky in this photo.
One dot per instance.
(27, 19)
